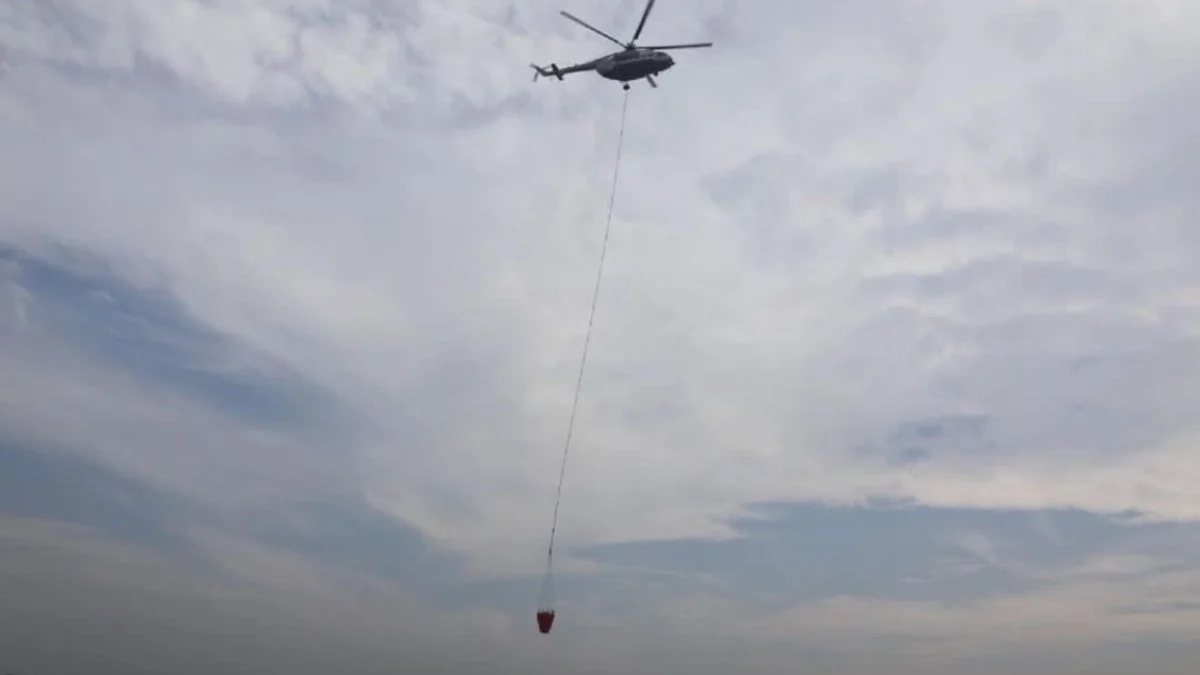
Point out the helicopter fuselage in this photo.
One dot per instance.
(633, 64)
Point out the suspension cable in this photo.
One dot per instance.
(586, 343)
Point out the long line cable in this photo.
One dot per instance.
(586, 342)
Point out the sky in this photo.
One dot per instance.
(894, 370)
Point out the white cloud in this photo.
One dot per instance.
(839, 219)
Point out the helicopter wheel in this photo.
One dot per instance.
(625, 86)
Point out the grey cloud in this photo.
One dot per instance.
(107, 608)
(91, 605)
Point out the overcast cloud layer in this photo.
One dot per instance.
(292, 295)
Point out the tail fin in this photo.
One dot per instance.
(539, 71)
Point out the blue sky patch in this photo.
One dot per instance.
(41, 483)
(147, 333)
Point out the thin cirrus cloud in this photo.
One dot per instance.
(295, 279)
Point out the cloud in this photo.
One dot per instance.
(932, 253)
(836, 584)
(109, 598)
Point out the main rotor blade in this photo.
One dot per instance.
(590, 27)
(642, 24)
(687, 46)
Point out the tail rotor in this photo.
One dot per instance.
(539, 71)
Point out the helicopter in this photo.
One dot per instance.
(632, 63)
